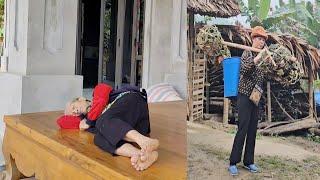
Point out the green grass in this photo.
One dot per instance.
(273, 167)
(314, 138)
(214, 152)
(232, 131)
(287, 168)
(259, 135)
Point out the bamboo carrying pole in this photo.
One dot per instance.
(235, 45)
(248, 48)
(240, 46)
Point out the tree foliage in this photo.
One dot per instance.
(1, 17)
(301, 19)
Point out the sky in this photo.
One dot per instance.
(276, 2)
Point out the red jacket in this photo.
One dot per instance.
(99, 101)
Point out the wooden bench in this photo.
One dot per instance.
(35, 146)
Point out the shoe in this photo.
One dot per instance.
(233, 170)
(252, 168)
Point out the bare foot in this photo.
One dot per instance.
(134, 159)
(142, 165)
(148, 144)
(144, 156)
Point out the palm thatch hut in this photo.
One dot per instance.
(288, 104)
(213, 8)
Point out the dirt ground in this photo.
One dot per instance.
(209, 145)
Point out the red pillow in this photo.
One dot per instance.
(100, 100)
(69, 122)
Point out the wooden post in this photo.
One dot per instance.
(119, 43)
(134, 37)
(207, 85)
(310, 89)
(101, 40)
(191, 37)
(269, 101)
(226, 103)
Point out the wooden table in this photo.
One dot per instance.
(35, 146)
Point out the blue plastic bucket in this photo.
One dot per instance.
(317, 97)
(231, 73)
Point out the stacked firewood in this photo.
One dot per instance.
(291, 98)
(290, 111)
(215, 86)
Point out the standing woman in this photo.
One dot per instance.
(250, 90)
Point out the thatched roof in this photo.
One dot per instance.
(214, 8)
(304, 52)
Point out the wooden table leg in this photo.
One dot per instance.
(11, 172)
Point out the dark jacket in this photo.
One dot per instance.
(250, 75)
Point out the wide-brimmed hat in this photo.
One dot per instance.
(259, 31)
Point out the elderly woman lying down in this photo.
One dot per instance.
(119, 119)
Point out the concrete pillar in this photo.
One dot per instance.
(165, 44)
(179, 51)
(41, 50)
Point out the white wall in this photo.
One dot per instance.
(49, 93)
(50, 29)
(17, 29)
(52, 36)
(10, 103)
(165, 44)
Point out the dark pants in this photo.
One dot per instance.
(247, 129)
(130, 112)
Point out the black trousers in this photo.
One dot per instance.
(247, 130)
(130, 112)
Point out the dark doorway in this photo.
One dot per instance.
(89, 38)
(127, 43)
(119, 47)
(90, 42)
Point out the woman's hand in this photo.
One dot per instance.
(257, 59)
(219, 59)
(264, 55)
(260, 56)
(83, 125)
